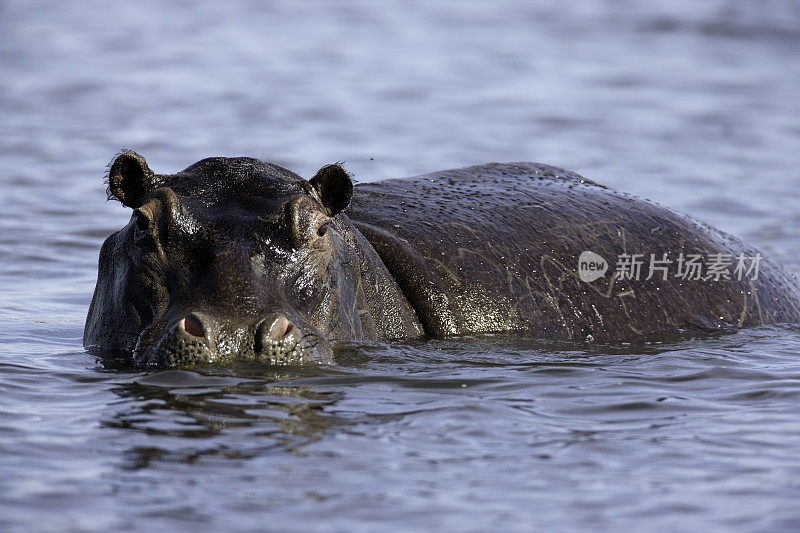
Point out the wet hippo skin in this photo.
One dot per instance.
(234, 258)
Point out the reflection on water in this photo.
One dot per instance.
(205, 406)
(694, 105)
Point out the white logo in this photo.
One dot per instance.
(591, 266)
(716, 267)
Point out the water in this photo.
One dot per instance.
(694, 105)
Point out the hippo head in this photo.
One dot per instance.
(230, 258)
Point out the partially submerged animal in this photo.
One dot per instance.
(234, 258)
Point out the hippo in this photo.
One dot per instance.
(237, 259)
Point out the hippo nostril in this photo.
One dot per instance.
(192, 325)
(279, 328)
(276, 338)
(273, 335)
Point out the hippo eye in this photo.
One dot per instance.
(142, 231)
(142, 222)
(308, 221)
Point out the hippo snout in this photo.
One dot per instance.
(198, 339)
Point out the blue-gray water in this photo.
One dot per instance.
(693, 104)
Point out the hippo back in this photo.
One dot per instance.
(495, 248)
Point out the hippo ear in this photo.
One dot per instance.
(334, 187)
(130, 180)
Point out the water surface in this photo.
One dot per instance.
(693, 105)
